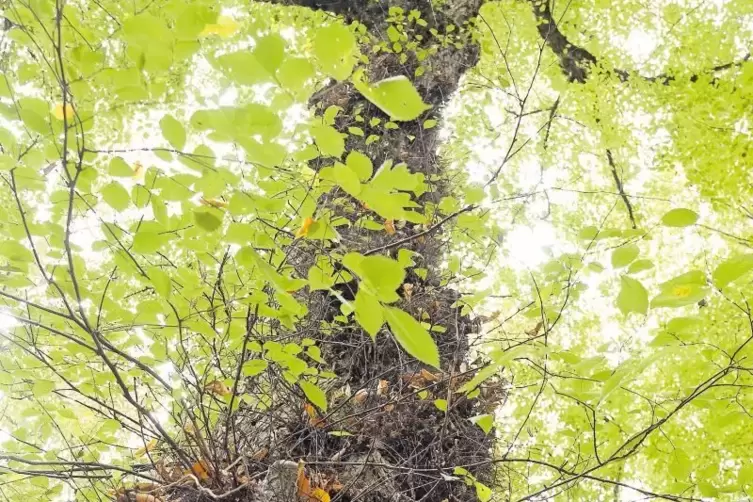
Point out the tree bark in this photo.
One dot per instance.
(402, 448)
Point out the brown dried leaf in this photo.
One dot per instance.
(408, 290)
(217, 387)
(382, 387)
(361, 396)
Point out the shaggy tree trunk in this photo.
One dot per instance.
(402, 448)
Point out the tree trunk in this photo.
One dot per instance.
(402, 447)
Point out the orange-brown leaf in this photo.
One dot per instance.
(429, 376)
(361, 396)
(217, 387)
(200, 470)
(389, 227)
(413, 380)
(334, 485)
(310, 410)
(382, 387)
(314, 420)
(302, 483)
(305, 226)
(260, 454)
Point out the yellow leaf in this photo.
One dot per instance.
(219, 204)
(225, 27)
(138, 172)
(59, 111)
(149, 447)
(304, 230)
(682, 291)
(319, 495)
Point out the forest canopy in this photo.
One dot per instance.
(376, 250)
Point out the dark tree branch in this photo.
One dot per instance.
(576, 61)
(620, 188)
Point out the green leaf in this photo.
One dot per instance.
(693, 277)
(413, 337)
(679, 217)
(369, 312)
(6, 161)
(707, 489)
(340, 433)
(732, 269)
(395, 96)
(483, 492)
(270, 51)
(335, 50)
(42, 388)
(613, 382)
(173, 131)
(116, 196)
(588, 233)
(347, 179)
(360, 164)
(321, 276)
(745, 475)
(255, 367)
(680, 295)
(207, 219)
(119, 167)
(159, 210)
(314, 394)
(441, 404)
(140, 196)
(633, 296)
(294, 73)
(623, 255)
(379, 274)
(244, 68)
(640, 266)
(486, 422)
(330, 142)
(160, 280)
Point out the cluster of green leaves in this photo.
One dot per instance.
(625, 335)
(150, 224)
